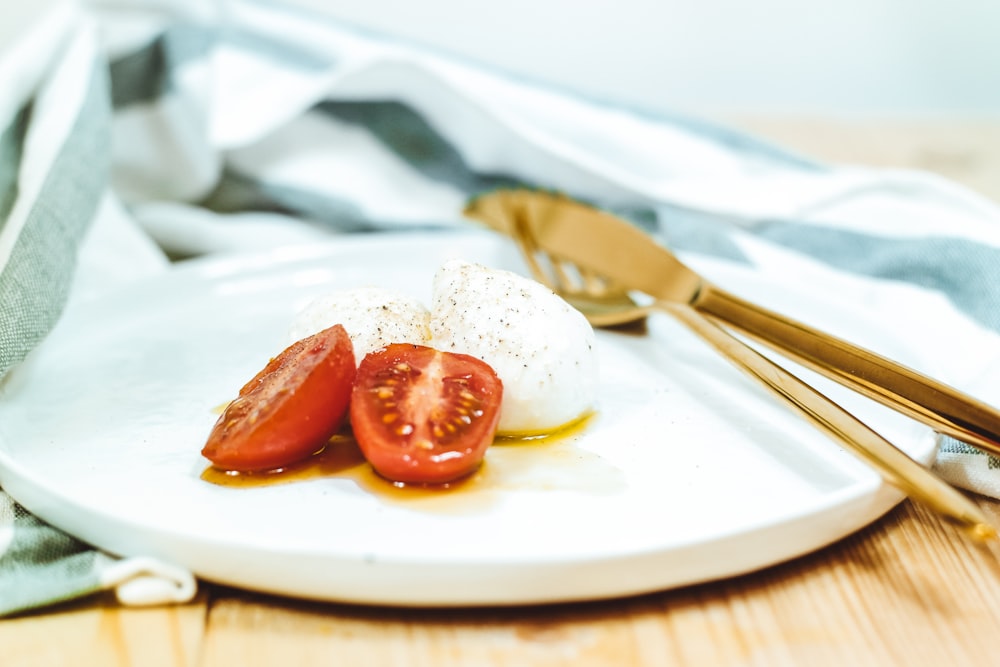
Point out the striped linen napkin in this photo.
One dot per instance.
(130, 134)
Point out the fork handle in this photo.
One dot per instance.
(894, 465)
(943, 408)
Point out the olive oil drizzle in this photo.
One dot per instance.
(341, 458)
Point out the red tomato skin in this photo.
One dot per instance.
(423, 416)
(289, 409)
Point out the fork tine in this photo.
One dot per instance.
(560, 275)
(529, 250)
(599, 284)
(564, 279)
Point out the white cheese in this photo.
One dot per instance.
(541, 347)
(372, 316)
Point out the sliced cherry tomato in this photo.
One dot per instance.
(424, 416)
(288, 410)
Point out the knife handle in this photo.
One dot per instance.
(943, 408)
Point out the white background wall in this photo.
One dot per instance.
(845, 57)
(825, 57)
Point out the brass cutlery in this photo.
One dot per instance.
(625, 257)
(594, 260)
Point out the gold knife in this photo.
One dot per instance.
(601, 242)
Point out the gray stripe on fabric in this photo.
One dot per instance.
(140, 76)
(237, 192)
(699, 231)
(407, 134)
(36, 279)
(950, 445)
(145, 75)
(968, 273)
(43, 565)
(11, 145)
(401, 130)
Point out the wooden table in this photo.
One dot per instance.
(906, 590)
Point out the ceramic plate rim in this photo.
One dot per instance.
(867, 498)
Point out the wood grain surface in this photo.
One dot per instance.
(907, 590)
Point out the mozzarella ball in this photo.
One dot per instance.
(541, 347)
(372, 316)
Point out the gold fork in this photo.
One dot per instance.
(612, 247)
(606, 304)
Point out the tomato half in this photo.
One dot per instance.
(289, 409)
(424, 416)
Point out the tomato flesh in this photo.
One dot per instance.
(289, 409)
(424, 416)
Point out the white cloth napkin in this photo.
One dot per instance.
(191, 128)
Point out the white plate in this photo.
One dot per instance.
(689, 472)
